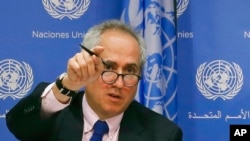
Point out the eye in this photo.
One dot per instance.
(109, 66)
(130, 70)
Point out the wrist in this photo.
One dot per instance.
(59, 96)
(63, 89)
(71, 85)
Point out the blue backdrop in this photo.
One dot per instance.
(213, 68)
(197, 67)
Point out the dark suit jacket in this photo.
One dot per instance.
(138, 122)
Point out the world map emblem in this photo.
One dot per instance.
(16, 79)
(219, 79)
(72, 9)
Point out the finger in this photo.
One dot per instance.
(98, 61)
(77, 66)
(73, 69)
(72, 75)
(82, 60)
(99, 67)
(95, 64)
(90, 65)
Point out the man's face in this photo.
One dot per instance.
(122, 52)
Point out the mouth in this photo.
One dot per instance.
(114, 97)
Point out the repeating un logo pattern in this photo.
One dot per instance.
(181, 6)
(155, 19)
(219, 79)
(16, 79)
(73, 9)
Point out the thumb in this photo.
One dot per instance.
(98, 61)
(98, 50)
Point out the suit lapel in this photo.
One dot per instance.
(131, 127)
(71, 131)
(71, 126)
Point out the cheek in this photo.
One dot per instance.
(97, 83)
(95, 87)
(130, 93)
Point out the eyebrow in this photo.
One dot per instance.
(112, 63)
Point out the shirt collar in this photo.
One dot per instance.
(90, 117)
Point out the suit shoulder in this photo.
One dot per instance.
(154, 124)
(151, 117)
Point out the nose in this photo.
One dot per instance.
(119, 82)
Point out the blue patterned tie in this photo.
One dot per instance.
(100, 128)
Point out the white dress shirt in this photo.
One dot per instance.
(51, 105)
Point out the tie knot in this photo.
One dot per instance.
(101, 128)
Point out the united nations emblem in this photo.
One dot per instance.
(16, 79)
(181, 6)
(72, 9)
(219, 79)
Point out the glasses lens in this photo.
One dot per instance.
(109, 77)
(130, 80)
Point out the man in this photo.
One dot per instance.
(109, 74)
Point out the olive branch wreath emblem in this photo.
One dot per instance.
(25, 89)
(181, 7)
(60, 16)
(229, 95)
